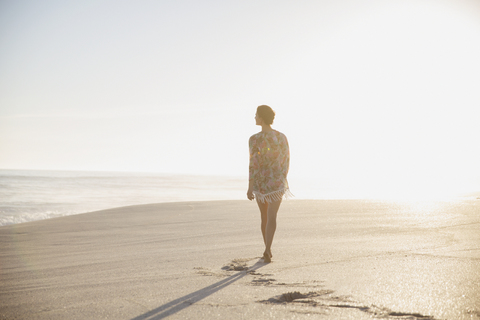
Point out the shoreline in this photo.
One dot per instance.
(36, 195)
(201, 259)
(457, 198)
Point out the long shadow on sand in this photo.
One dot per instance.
(186, 301)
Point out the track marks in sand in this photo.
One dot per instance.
(267, 280)
(324, 301)
(263, 282)
(237, 265)
(234, 265)
(296, 297)
(205, 272)
(317, 300)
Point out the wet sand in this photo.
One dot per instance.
(332, 259)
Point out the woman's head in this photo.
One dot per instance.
(266, 114)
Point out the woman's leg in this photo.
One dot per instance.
(271, 226)
(263, 214)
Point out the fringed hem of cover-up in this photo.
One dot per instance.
(273, 196)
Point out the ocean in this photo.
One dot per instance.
(27, 195)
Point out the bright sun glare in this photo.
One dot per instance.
(407, 101)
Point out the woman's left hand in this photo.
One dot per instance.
(250, 195)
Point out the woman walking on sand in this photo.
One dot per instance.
(268, 169)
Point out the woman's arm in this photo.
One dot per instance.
(250, 195)
(251, 147)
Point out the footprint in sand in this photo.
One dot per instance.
(237, 265)
(263, 282)
(296, 297)
(205, 272)
(234, 265)
(324, 299)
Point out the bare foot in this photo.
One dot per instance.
(267, 257)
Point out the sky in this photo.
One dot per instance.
(375, 97)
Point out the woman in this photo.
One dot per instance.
(269, 162)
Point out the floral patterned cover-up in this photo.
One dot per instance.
(269, 163)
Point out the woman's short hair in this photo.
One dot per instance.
(266, 113)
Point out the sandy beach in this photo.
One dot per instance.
(332, 259)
